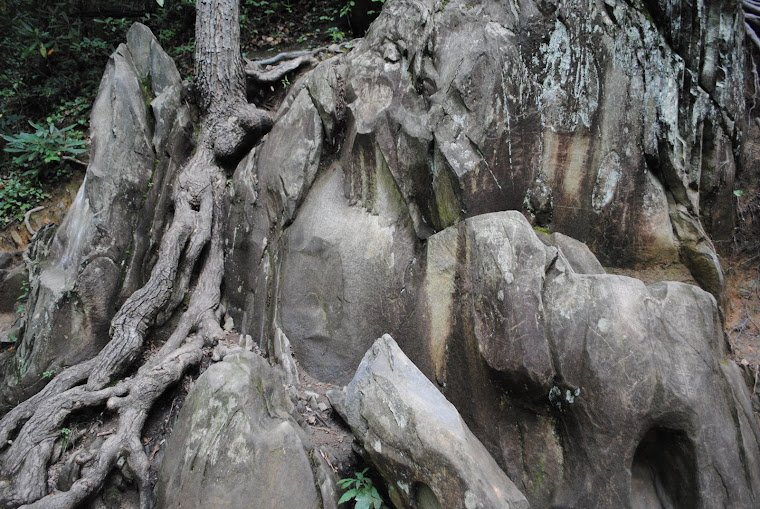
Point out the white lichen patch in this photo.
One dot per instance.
(470, 500)
(607, 179)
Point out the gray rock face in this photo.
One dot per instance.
(418, 441)
(596, 120)
(377, 204)
(236, 444)
(11, 288)
(591, 380)
(331, 275)
(342, 277)
(102, 247)
(589, 117)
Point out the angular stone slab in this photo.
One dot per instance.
(235, 443)
(417, 440)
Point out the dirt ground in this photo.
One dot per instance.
(743, 311)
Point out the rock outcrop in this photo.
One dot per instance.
(406, 188)
(101, 253)
(236, 443)
(589, 120)
(573, 379)
(615, 124)
(418, 441)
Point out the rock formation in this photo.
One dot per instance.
(406, 188)
(236, 442)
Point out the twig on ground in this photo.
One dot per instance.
(74, 160)
(28, 214)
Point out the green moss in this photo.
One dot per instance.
(147, 87)
(449, 206)
(540, 471)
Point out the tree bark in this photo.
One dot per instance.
(192, 244)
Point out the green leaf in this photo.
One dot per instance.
(160, 3)
(377, 501)
(738, 192)
(347, 496)
(363, 501)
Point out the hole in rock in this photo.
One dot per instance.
(663, 473)
(611, 13)
(424, 498)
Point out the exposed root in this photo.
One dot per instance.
(23, 411)
(28, 216)
(751, 17)
(264, 76)
(198, 222)
(230, 128)
(132, 406)
(193, 207)
(26, 460)
(271, 70)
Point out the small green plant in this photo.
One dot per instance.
(66, 434)
(46, 145)
(114, 25)
(363, 493)
(48, 374)
(347, 8)
(71, 111)
(285, 82)
(17, 195)
(336, 34)
(24, 291)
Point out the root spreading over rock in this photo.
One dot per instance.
(192, 244)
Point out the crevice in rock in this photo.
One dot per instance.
(663, 472)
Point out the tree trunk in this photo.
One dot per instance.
(192, 244)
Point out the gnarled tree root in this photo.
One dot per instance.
(271, 70)
(25, 461)
(230, 128)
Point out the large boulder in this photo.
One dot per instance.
(330, 267)
(236, 443)
(602, 121)
(591, 380)
(81, 273)
(343, 276)
(417, 440)
(597, 121)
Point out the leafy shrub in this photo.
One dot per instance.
(350, 4)
(17, 195)
(363, 493)
(46, 145)
(74, 111)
